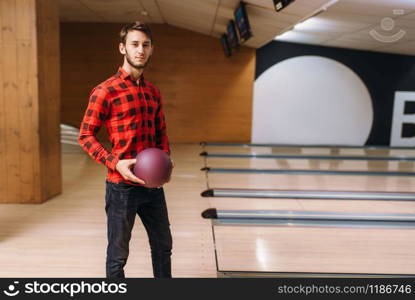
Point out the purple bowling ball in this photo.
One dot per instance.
(153, 166)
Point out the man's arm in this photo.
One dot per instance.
(96, 113)
(162, 141)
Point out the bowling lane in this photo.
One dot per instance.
(313, 182)
(308, 164)
(313, 249)
(308, 151)
(353, 206)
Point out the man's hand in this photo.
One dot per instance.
(123, 166)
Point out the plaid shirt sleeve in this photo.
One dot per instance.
(96, 113)
(162, 141)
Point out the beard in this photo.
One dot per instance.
(136, 65)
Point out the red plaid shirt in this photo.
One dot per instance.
(133, 116)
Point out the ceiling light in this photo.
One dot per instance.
(288, 35)
(307, 24)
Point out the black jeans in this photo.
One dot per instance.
(123, 202)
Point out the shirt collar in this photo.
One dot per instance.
(124, 75)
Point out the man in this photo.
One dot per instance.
(131, 109)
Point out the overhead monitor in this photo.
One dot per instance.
(281, 4)
(232, 35)
(225, 45)
(242, 22)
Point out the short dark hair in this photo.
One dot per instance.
(137, 25)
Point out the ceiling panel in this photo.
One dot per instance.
(190, 14)
(151, 7)
(75, 11)
(304, 8)
(375, 25)
(260, 3)
(379, 8)
(347, 23)
(125, 10)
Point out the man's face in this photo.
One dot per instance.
(137, 49)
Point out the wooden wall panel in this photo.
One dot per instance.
(11, 114)
(3, 175)
(27, 147)
(48, 53)
(25, 66)
(12, 122)
(3, 187)
(28, 144)
(207, 96)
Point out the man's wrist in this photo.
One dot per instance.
(113, 164)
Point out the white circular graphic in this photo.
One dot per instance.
(311, 100)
